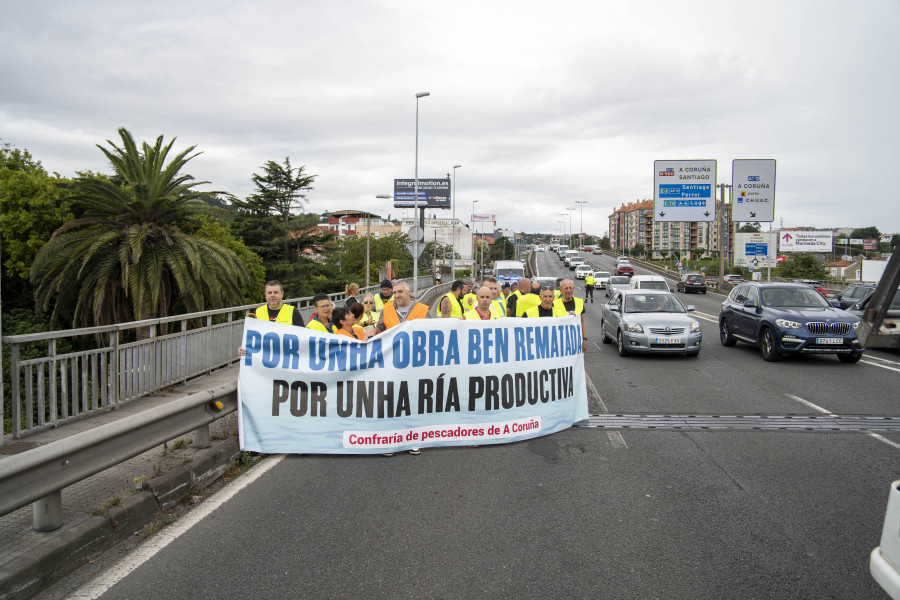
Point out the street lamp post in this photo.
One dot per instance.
(570, 209)
(416, 201)
(453, 229)
(581, 227)
(474, 238)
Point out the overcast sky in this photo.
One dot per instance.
(542, 103)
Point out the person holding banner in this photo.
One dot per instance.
(274, 309)
(321, 320)
(450, 305)
(546, 308)
(571, 305)
(345, 323)
(402, 308)
(484, 310)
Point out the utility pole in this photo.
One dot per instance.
(723, 247)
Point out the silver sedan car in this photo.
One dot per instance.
(616, 283)
(649, 321)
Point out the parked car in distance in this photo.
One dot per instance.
(601, 278)
(734, 279)
(691, 282)
(815, 284)
(575, 261)
(649, 321)
(624, 269)
(617, 283)
(549, 282)
(649, 282)
(787, 319)
(582, 271)
(538, 249)
(852, 294)
(597, 250)
(622, 259)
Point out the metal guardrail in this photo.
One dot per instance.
(38, 476)
(54, 388)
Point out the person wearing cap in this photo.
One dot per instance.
(450, 306)
(505, 290)
(385, 295)
(469, 299)
(484, 310)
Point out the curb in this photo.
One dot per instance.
(28, 574)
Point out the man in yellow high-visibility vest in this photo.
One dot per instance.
(572, 306)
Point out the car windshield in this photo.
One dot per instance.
(643, 303)
(695, 278)
(619, 279)
(793, 298)
(599, 274)
(506, 273)
(654, 285)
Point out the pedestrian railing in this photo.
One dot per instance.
(61, 376)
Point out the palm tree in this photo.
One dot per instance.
(132, 255)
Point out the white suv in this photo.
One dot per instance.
(582, 271)
(649, 282)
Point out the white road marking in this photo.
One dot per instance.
(815, 407)
(161, 539)
(875, 364)
(615, 438)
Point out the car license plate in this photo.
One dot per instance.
(663, 340)
(832, 341)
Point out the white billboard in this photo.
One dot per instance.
(756, 249)
(753, 190)
(684, 190)
(805, 241)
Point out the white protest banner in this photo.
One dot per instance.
(426, 382)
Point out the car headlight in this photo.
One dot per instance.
(856, 326)
(695, 326)
(788, 324)
(635, 328)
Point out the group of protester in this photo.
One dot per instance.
(395, 304)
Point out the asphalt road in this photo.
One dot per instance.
(585, 513)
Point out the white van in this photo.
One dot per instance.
(570, 254)
(649, 282)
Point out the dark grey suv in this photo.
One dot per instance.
(853, 294)
(788, 318)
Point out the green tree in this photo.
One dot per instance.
(218, 233)
(269, 217)
(135, 254)
(750, 228)
(802, 266)
(503, 249)
(637, 250)
(32, 206)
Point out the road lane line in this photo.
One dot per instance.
(875, 364)
(876, 436)
(162, 538)
(892, 362)
(615, 438)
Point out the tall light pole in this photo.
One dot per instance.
(581, 227)
(416, 201)
(570, 209)
(453, 226)
(563, 234)
(369, 236)
(473, 238)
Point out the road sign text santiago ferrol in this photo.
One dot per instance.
(684, 190)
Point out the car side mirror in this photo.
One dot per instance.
(750, 304)
(612, 307)
(691, 307)
(835, 303)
